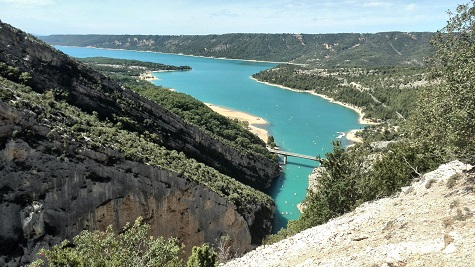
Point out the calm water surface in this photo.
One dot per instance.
(300, 122)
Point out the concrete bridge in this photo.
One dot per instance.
(290, 154)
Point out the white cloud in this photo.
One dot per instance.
(225, 13)
(410, 7)
(377, 4)
(27, 3)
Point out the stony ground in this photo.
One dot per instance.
(430, 223)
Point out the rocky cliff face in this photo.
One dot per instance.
(45, 198)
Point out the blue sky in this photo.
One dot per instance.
(214, 16)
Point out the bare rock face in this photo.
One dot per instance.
(45, 200)
(32, 221)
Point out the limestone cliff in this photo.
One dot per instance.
(53, 185)
(45, 200)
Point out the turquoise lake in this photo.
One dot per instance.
(300, 122)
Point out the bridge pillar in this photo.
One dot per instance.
(285, 159)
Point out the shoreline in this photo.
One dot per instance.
(178, 54)
(350, 135)
(252, 120)
(358, 110)
(148, 76)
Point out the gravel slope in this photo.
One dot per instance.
(429, 223)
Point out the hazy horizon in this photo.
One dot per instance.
(187, 17)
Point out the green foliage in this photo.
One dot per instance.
(383, 93)
(203, 256)
(445, 118)
(271, 141)
(380, 132)
(131, 247)
(14, 74)
(337, 191)
(350, 178)
(399, 164)
(128, 66)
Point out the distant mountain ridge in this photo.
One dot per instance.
(342, 49)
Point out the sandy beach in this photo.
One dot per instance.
(351, 136)
(148, 76)
(253, 121)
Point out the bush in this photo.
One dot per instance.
(203, 256)
(131, 247)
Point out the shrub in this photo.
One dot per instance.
(202, 256)
(131, 247)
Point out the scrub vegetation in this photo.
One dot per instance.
(439, 128)
(133, 246)
(339, 49)
(383, 93)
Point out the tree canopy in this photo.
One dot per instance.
(444, 120)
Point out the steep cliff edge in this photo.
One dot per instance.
(430, 223)
(90, 91)
(45, 200)
(78, 151)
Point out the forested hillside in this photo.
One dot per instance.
(128, 73)
(343, 49)
(383, 93)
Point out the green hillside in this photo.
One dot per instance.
(343, 49)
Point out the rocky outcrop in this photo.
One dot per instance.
(430, 223)
(45, 199)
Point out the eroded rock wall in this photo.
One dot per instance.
(46, 199)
